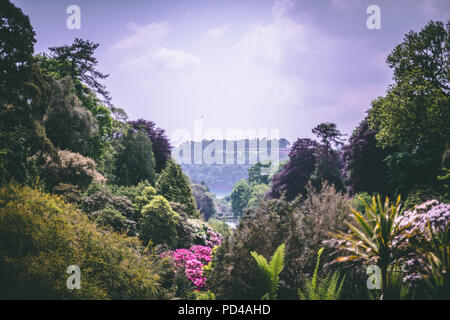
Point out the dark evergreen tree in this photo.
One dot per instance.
(77, 61)
(134, 161)
(204, 200)
(68, 125)
(160, 142)
(364, 162)
(174, 185)
(328, 165)
(24, 96)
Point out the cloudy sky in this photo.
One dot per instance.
(239, 64)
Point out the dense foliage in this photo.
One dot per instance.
(41, 236)
(160, 143)
(83, 185)
(174, 186)
(134, 160)
(205, 201)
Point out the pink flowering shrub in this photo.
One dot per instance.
(213, 239)
(192, 264)
(204, 235)
(192, 261)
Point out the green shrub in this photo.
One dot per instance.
(102, 199)
(71, 168)
(41, 235)
(158, 223)
(220, 227)
(420, 195)
(301, 226)
(174, 185)
(145, 197)
(201, 295)
(110, 217)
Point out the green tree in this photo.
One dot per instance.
(205, 201)
(99, 144)
(328, 133)
(328, 166)
(240, 197)
(258, 193)
(158, 222)
(415, 113)
(68, 125)
(24, 97)
(174, 185)
(134, 161)
(255, 176)
(78, 61)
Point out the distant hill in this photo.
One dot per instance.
(219, 164)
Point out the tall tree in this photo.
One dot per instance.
(69, 125)
(365, 168)
(24, 96)
(328, 133)
(134, 161)
(204, 200)
(98, 144)
(292, 179)
(328, 165)
(425, 56)
(174, 186)
(77, 60)
(160, 142)
(414, 116)
(240, 197)
(255, 176)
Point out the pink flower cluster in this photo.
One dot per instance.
(193, 260)
(214, 239)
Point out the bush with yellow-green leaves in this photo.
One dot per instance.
(41, 235)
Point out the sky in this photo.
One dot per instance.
(208, 67)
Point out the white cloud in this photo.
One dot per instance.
(163, 57)
(217, 32)
(144, 48)
(269, 43)
(143, 35)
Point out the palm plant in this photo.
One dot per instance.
(375, 237)
(434, 253)
(270, 271)
(328, 288)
